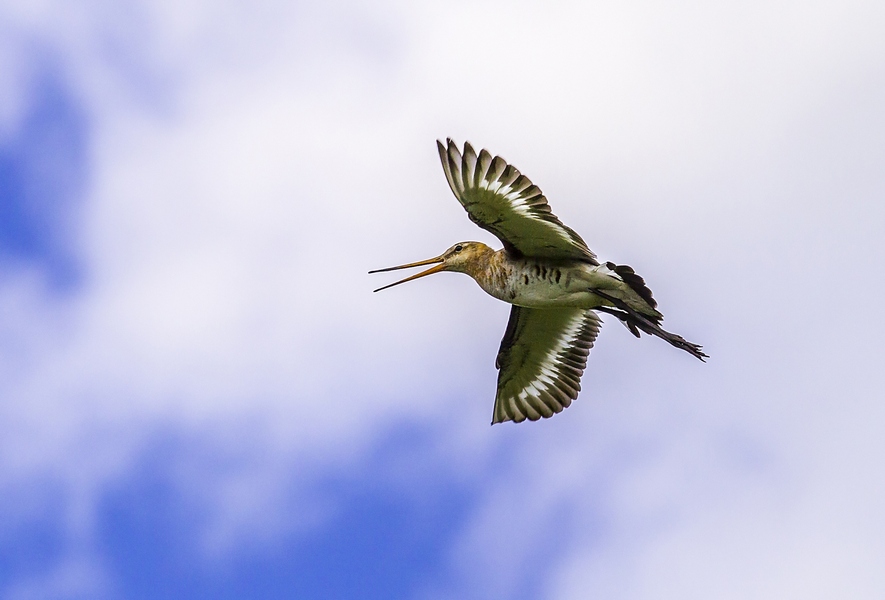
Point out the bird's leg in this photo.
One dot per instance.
(622, 316)
(634, 320)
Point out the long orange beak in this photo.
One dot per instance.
(430, 271)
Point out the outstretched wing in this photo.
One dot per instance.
(501, 200)
(541, 360)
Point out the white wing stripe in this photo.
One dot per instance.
(500, 199)
(548, 371)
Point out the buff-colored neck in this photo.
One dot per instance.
(487, 264)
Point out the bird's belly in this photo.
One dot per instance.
(549, 286)
(545, 294)
(539, 296)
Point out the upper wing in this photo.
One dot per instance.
(541, 360)
(501, 200)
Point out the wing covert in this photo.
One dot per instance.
(541, 360)
(501, 200)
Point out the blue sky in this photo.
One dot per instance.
(201, 397)
(42, 177)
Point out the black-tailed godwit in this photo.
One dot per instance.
(546, 271)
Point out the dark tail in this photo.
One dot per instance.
(637, 322)
(632, 279)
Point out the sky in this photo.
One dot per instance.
(200, 397)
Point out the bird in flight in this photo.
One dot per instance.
(555, 284)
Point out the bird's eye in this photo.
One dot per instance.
(458, 248)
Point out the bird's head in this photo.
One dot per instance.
(460, 258)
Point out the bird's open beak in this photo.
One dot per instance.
(430, 271)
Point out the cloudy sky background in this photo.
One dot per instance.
(201, 397)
